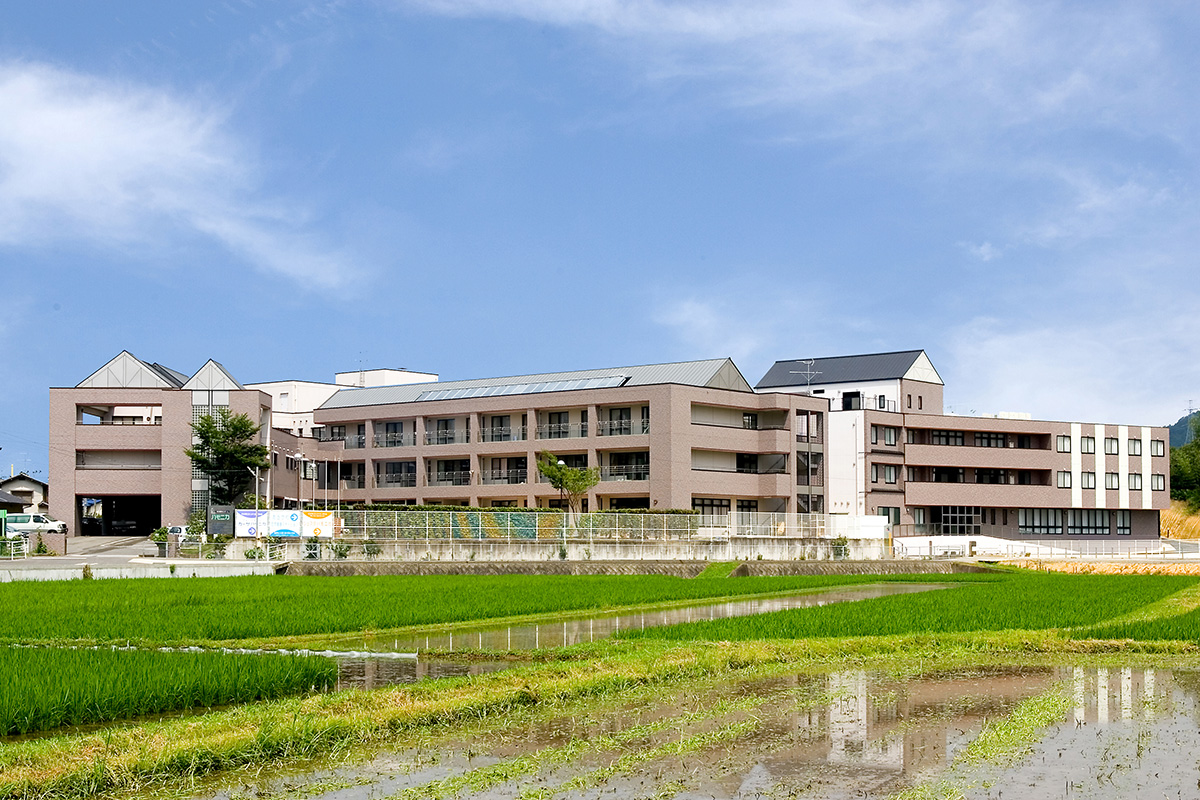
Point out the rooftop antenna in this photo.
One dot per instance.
(808, 373)
(362, 373)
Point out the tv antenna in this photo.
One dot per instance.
(808, 373)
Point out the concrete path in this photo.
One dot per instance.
(121, 557)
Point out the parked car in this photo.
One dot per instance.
(28, 524)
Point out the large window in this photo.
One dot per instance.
(949, 475)
(711, 506)
(1112, 480)
(1064, 444)
(991, 440)
(1087, 480)
(891, 512)
(1158, 447)
(1122, 519)
(1039, 521)
(1087, 444)
(1135, 447)
(1087, 522)
(890, 473)
(959, 520)
(1112, 446)
(983, 475)
(1158, 483)
(1135, 481)
(946, 437)
(1064, 480)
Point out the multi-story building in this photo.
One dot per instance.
(683, 435)
(894, 452)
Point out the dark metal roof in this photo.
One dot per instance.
(7, 499)
(841, 369)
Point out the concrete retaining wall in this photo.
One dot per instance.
(198, 569)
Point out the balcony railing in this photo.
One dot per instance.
(395, 439)
(456, 478)
(395, 480)
(634, 472)
(511, 434)
(501, 476)
(355, 441)
(622, 427)
(157, 422)
(813, 438)
(562, 430)
(355, 482)
(447, 437)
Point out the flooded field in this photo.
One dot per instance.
(578, 630)
(846, 734)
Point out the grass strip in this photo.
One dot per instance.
(719, 569)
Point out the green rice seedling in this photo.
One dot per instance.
(257, 607)
(1183, 627)
(1024, 602)
(43, 688)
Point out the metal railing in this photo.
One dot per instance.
(156, 424)
(633, 472)
(501, 476)
(395, 439)
(562, 430)
(15, 548)
(355, 441)
(622, 427)
(447, 437)
(354, 482)
(514, 433)
(451, 478)
(386, 480)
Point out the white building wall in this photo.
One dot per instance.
(868, 390)
(845, 463)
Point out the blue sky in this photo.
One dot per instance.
(481, 188)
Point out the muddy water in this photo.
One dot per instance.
(847, 734)
(579, 630)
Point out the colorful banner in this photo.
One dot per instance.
(246, 522)
(285, 524)
(318, 523)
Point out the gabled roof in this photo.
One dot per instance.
(716, 373)
(7, 499)
(212, 377)
(909, 364)
(22, 476)
(127, 371)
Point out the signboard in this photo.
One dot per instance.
(247, 524)
(319, 523)
(220, 521)
(285, 524)
(3, 524)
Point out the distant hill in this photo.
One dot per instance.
(1179, 431)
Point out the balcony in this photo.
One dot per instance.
(622, 427)
(562, 430)
(455, 478)
(510, 434)
(395, 439)
(447, 437)
(505, 476)
(395, 480)
(354, 482)
(633, 472)
(355, 441)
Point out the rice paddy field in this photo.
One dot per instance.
(251, 712)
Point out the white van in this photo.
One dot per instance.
(27, 524)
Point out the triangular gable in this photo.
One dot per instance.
(212, 377)
(727, 376)
(126, 371)
(922, 370)
(21, 476)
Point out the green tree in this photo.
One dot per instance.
(574, 483)
(1185, 469)
(228, 452)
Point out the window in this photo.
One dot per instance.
(747, 506)
(1112, 480)
(1064, 480)
(958, 520)
(1024, 441)
(1135, 447)
(1087, 444)
(946, 437)
(1157, 447)
(1135, 481)
(911, 436)
(874, 473)
(710, 506)
(749, 420)
(949, 475)
(991, 440)
(920, 403)
(891, 512)
(1087, 522)
(991, 475)
(910, 401)
(1064, 444)
(1039, 521)
(1087, 480)
(890, 473)
(1158, 483)
(911, 474)
(1111, 446)
(874, 434)
(337, 433)
(1122, 518)
(882, 403)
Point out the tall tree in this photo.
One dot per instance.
(573, 482)
(1185, 469)
(228, 452)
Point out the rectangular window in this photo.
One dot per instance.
(1157, 447)
(1087, 445)
(1111, 446)
(1135, 447)
(946, 437)
(1064, 480)
(891, 512)
(1039, 521)
(1087, 480)
(1064, 444)
(890, 473)
(911, 474)
(1135, 481)
(1122, 519)
(920, 404)
(911, 436)
(749, 420)
(991, 440)
(1024, 441)
(1087, 522)
(711, 506)
(1112, 480)
(874, 434)
(983, 475)
(874, 473)
(747, 506)
(890, 436)
(1158, 483)
(949, 475)
(910, 401)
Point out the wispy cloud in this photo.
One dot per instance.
(138, 168)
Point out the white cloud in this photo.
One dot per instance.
(118, 165)
(985, 251)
